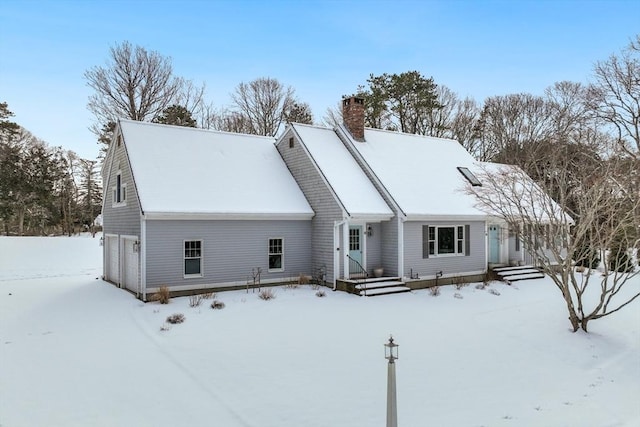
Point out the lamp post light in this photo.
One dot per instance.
(391, 354)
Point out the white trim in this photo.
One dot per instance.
(456, 239)
(461, 218)
(124, 237)
(371, 217)
(143, 257)
(400, 247)
(193, 276)
(242, 216)
(275, 270)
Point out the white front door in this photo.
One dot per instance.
(130, 264)
(355, 249)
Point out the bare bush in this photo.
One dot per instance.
(267, 294)
(209, 295)
(195, 300)
(321, 294)
(303, 279)
(217, 305)
(434, 291)
(176, 318)
(162, 296)
(458, 295)
(459, 282)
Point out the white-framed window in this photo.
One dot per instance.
(276, 254)
(119, 190)
(447, 240)
(193, 258)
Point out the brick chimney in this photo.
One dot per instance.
(353, 116)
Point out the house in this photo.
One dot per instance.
(191, 208)
(194, 209)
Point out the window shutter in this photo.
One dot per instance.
(467, 240)
(425, 241)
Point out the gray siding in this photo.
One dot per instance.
(120, 219)
(230, 249)
(452, 265)
(374, 247)
(321, 199)
(389, 247)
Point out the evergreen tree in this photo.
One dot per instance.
(176, 115)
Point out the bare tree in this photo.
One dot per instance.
(604, 226)
(616, 95)
(264, 102)
(228, 121)
(135, 84)
(463, 125)
(333, 116)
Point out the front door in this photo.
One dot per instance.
(355, 249)
(494, 244)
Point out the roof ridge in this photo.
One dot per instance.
(188, 128)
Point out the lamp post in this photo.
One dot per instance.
(391, 354)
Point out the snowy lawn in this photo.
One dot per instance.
(76, 351)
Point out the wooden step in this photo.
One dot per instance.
(519, 271)
(384, 291)
(529, 276)
(379, 284)
(513, 268)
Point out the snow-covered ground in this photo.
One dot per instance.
(76, 351)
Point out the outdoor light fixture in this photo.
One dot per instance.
(136, 246)
(391, 354)
(102, 241)
(369, 231)
(391, 350)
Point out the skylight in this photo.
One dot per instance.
(473, 180)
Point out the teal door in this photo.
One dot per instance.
(494, 244)
(355, 249)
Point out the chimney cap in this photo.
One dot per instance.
(355, 99)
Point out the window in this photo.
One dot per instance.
(445, 241)
(291, 143)
(354, 239)
(120, 190)
(193, 258)
(276, 255)
(473, 180)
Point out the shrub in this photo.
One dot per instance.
(434, 291)
(459, 283)
(493, 292)
(162, 296)
(195, 300)
(176, 318)
(321, 294)
(586, 256)
(291, 285)
(209, 295)
(303, 280)
(458, 296)
(620, 261)
(217, 305)
(266, 294)
(481, 286)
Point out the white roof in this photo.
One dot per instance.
(420, 173)
(180, 170)
(349, 182)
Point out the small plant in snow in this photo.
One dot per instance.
(459, 283)
(321, 294)
(292, 285)
(434, 291)
(481, 286)
(165, 327)
(217, 305)
(494, 292)
(209, 295)
(195, 300)
(162, 296)
(303, 280)
(458, 295)
(176, 318)
(266, 294)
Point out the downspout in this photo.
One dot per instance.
(143, 257)
(401, 246)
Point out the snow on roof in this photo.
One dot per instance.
(348, 180)
(420, 172)
(196, 171)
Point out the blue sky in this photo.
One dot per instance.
(323, 49)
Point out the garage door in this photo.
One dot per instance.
(111, 264)
(130, 264)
